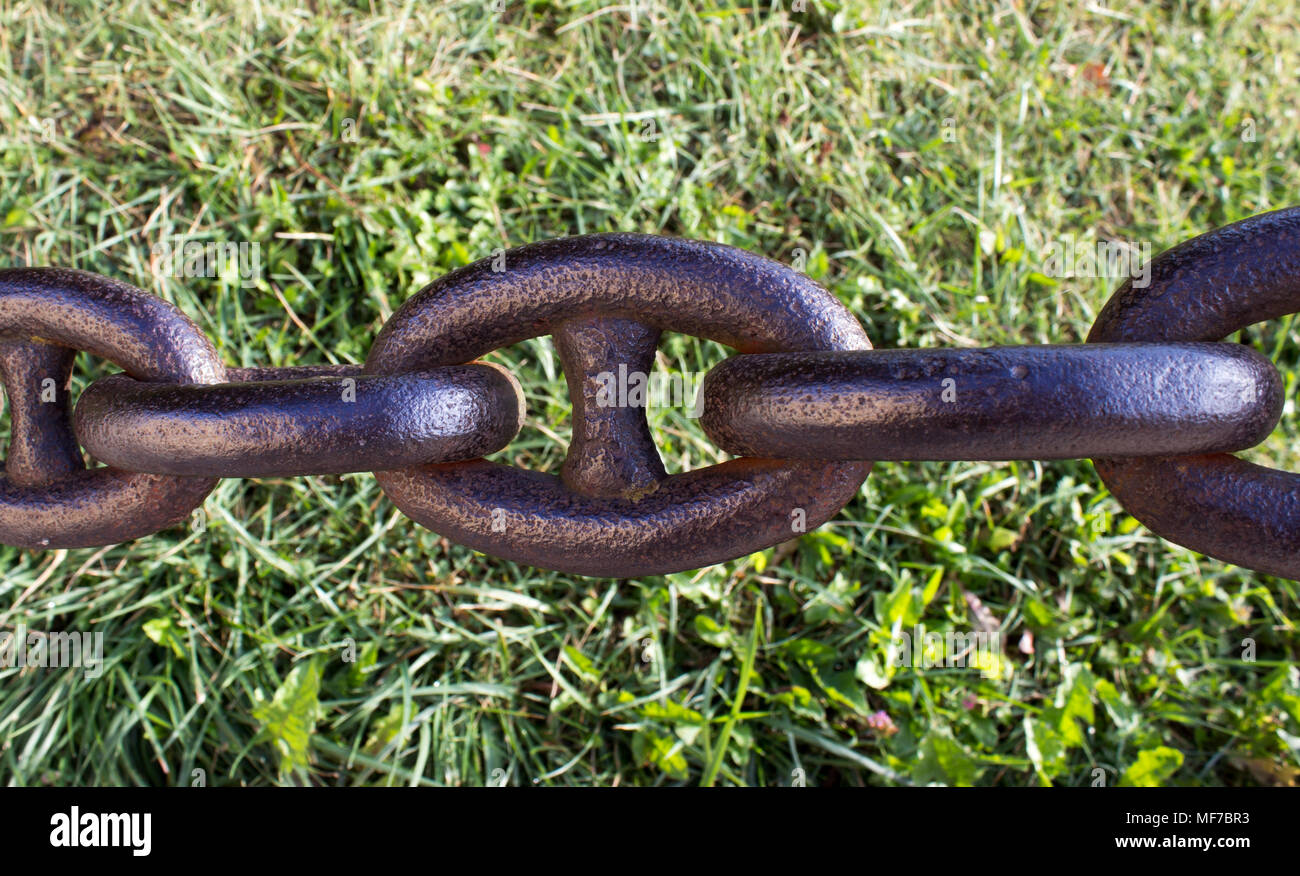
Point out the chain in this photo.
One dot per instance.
(1154, 398)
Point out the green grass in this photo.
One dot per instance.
(920, 154)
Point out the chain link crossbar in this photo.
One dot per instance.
(807, 406)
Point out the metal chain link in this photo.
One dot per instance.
(1152, 398)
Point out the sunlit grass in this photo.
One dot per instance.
(918, 157)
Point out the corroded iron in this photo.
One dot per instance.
(606, 297)
(47, 499)
(1206, 289)
(285, 422)
(693, 519)
(807, 405)
(1044, 402)
(42, 447)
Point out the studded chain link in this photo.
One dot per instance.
(1154, 398)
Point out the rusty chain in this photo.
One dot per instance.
(1154, 398)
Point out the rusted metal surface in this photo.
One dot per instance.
(1206, 289)
(41, 444)
(708, 290)
(807, 408)
(1210, 286)
(611, 453)
(300, 421)
(606, 297)
(693, 519)
(1044, 402)
(46, 314)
